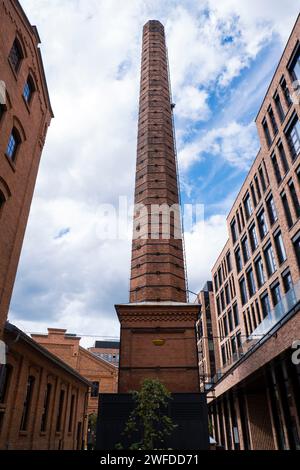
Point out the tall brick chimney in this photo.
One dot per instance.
(157, 267)
(158, 336)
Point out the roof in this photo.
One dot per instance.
(20, 335)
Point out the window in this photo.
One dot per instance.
(273, 121)
(2, 109)
(236, 315)
(286, 207)
(218, 306)
(2, 201)
(265, 304)
(60, 410)
(257, 187)
(245, 248)
(283, 158)
(233, 345)
(262, 179)
(253, 195)
(220, 277)
(296, 243)
(243, 291)
(276, 168)
(253, 237)
(27, 403)
(294, 198)
(228, 261)
(71, 416)
(222, 300)
(262, 224)
(95, 390)
(293, 139)
(227, 294)
(216, 282)
(270, 260)
(223, 354)
(16, 55)
(233, 231)
(286, 92)
(281, 254)
(251, 282)
(259, 269)
(295, 66)
(271, 210)
(279, 108)
(29, 89)
(5, 376)
(276, 294)
(287, 281)
(13, 143)
(230, 320)
(248, 206)
(46, 408)
(238, 260)
(267, 132)
(225, 324)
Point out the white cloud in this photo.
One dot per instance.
(236, 144)
(91, 52)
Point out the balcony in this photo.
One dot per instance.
(266, 328)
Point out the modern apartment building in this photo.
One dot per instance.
(255, 396)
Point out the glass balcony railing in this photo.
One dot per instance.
(286, 304)
(288, 301)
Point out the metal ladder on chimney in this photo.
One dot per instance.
(178, 180)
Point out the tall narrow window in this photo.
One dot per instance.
(228, 261)
(287, 281)
(253, 195)
(262, 224)
(293, 139)
(253, 237)
(27, 403)
(281, 254)
(71, 416)
(248, 206)
(262, 179)
(273, 121)
(259, 268)
(295, 66)
(276, 168)
(16, 55)
(276, 294)
(46, 408)
(233, 231)
(13, 144)
(2, 201)
(238, 260)
(243, 291)
(271, 210)
(60, 411)
(283, 158)
(286, 92)
(296, 243)
(257, 187)
(5, 377)
(251, 282)
(236, 315)
(267, 132)
(270, 259)
(279, 107)
(245, 248)
(265, 304)
(294, 198)
(95, 389)
(29, 89)
(287, 211)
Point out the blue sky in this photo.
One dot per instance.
(222, 56)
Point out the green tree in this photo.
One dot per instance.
(149, 422)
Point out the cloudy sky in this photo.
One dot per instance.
(222, 57)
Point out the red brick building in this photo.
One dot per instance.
(43, 401)
(24, 120)
(102, 375)
(254, 400)
(158, 337)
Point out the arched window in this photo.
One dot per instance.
(13, 144)
(29, 89)
(5, 377)
(16, 55)
(2, 200)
